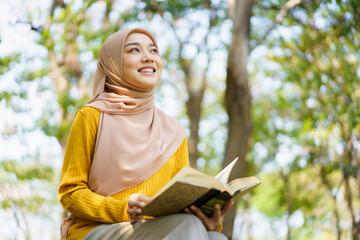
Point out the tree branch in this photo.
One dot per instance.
(279, 18)
(56, 3)
(108, 9)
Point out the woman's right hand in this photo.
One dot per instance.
(135, 205)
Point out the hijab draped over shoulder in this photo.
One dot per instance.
(134, 139)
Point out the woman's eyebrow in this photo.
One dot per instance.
(138, 44)
(132, 43)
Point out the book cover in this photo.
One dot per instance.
(191, 187)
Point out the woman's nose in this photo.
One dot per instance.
(147, 57)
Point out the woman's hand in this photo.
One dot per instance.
(134, 208)
(213, 223)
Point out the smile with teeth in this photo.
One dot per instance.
(149, 70)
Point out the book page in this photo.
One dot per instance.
(243, 191)
(241, 184)
(223, 176)
(203, 180)
(192, 176)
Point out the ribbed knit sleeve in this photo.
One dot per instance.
(74, 194)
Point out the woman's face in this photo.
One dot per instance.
(142, 63)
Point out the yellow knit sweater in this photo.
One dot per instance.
(92, 209)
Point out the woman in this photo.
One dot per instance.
(122, 150)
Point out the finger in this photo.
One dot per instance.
(144, 198)
(226, 207)
(139, 197)
(133, 203)
(137, 217)
(199, 214)
(134, 210)
(217, 212)
(187, 210)
(134, 196)
(133, 219)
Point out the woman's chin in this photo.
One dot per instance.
(146, 82)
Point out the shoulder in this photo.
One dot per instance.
(89, 112)
(87, 116)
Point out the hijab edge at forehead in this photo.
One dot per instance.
(139, 30)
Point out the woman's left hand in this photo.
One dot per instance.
(135, 205)
(213, 223)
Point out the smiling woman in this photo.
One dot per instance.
(122, 150)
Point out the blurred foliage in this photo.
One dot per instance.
(29, 172)
(7, 61)
(27, 191)
(315, 110)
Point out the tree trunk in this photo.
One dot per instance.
(196, 88)
(329, 188)
(195, 85)
(355, 224)
(288, 196)
(238, 97)
(193, 106)
(348, 161)
(247, 222)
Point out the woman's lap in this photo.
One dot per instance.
(171, 227)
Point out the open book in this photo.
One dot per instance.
(192, 187)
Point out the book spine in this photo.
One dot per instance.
(207, 201)
(208, 207)
(206, 197)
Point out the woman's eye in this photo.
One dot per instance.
(154, 50)
(134, 50)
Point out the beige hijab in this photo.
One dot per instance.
(134, 138)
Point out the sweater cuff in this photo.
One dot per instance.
(220, 228)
